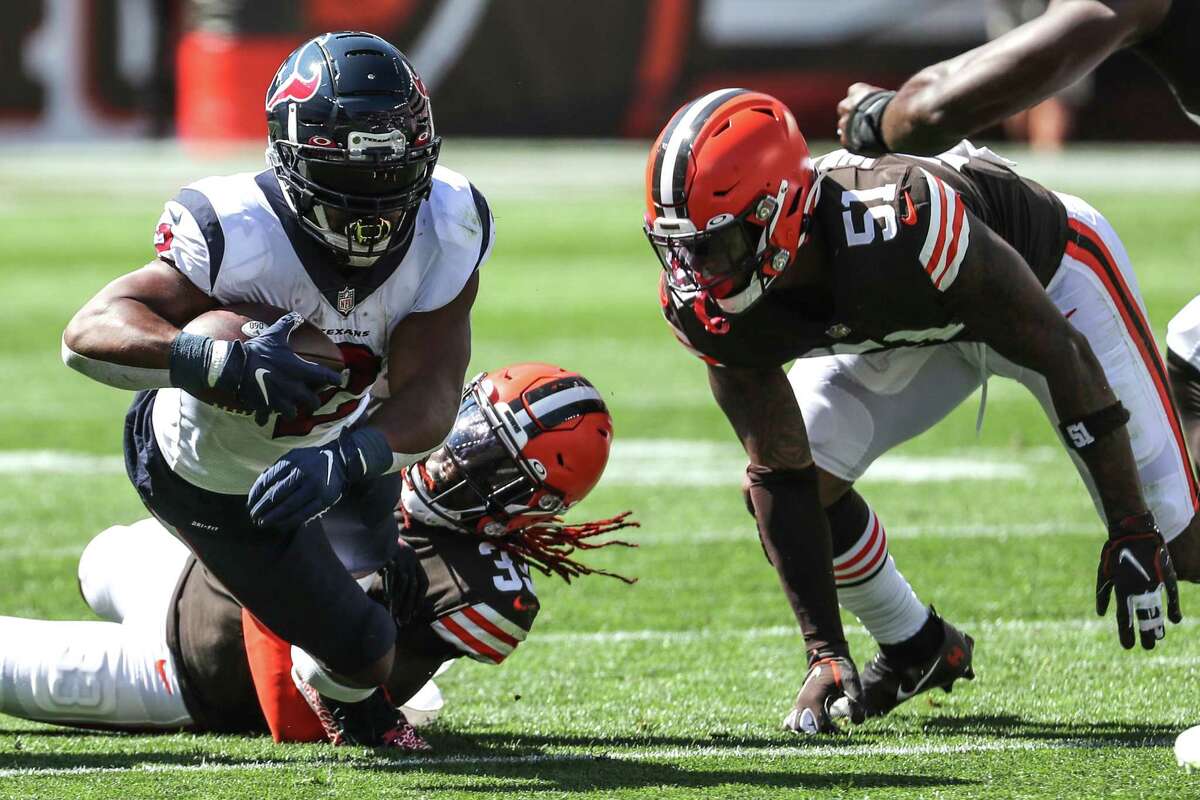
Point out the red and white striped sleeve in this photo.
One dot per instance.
(480, 632)
(948, 234)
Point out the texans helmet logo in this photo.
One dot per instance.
(297, 87)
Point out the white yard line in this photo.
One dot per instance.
(23, 462)
(641, 462)
(1076, 625)
(1009, 530)
(636, 754)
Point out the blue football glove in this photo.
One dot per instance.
(306, 482)
(264, 373)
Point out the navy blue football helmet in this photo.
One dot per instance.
(351, 139)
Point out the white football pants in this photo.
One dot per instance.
(114, 674)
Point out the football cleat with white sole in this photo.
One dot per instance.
(887, 685)
(373, 722)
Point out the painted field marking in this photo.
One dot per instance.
(23, 462)
(641, 462)
(687, 462)
(789, 631)
(636, 754)
(1008, 530)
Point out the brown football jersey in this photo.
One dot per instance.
(480, 604)
(894, 231)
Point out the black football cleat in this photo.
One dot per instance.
(887, 684)
(373, 722)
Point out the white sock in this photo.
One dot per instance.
(306, 668)
(871, 588)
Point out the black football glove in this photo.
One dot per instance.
(306, 482)
(1138, 568)
(271, 377)
(830, 679)
(404, 584)
(264, 373)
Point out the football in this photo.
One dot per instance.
(1187, 749)
(242, 321)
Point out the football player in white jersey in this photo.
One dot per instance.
(176, 651)
(356, 229)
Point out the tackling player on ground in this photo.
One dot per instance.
(178, 651)
(900, 284)
(355, 227)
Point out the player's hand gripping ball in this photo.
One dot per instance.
(271, 361)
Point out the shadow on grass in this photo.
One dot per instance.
(611, 774)
(1086, 734)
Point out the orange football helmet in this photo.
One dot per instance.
(730, 188)
(530, 441)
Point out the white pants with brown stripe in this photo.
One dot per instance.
(858, 407)
(118, 673)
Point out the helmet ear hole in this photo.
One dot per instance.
(558, 457)
(795, 206)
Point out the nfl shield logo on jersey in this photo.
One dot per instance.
(345, 302)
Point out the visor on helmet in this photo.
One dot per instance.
(479, 471)
(718, 258)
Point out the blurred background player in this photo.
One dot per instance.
(178, 652)
(354, 226)
(899, 285)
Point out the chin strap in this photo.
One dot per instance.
(718, 326)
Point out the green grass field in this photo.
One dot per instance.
(674, 687)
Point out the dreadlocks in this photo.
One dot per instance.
(549, 545)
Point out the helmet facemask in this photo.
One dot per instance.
(361, 201)
(731, 262)
(478, 480)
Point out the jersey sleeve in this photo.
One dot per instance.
(189, 237)
(480, 632)
(937, 225)
(467, 231)
(289, 717)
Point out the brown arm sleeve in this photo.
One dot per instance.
(792, 525)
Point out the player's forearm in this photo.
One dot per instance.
(121, 343)
(121, 331)
(946, 102)
(415, 422)
(795, 536)
(1079, 390)
(782, 486)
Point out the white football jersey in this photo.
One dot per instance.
(236, 238)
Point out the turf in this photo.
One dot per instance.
(674, 687)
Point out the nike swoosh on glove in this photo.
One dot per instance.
(830, 679)
(1137, 568)
(305, 483)
(268, 376)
